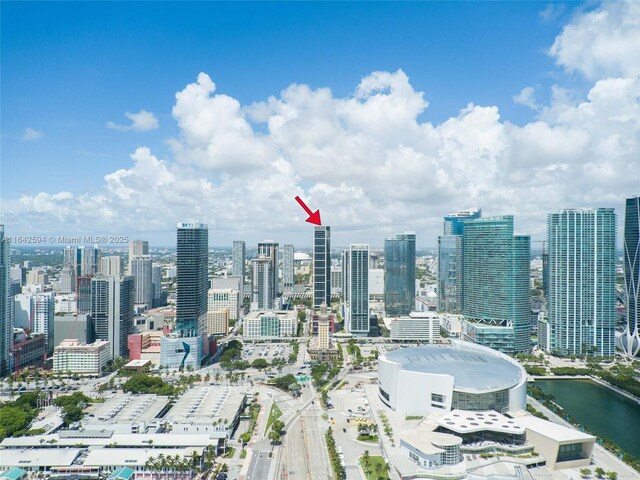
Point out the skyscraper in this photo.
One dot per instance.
(321, 266)
(192, 278)
(261, 289)
(112, 307)
(450, 267)
(630, 340)
(42, 315)
(288, 252)
(137, 248)
(357, 321)
(6, 328)
(582, 276)
(141, 271)
(400, 274)
(496, 269)
(238, 255)
(269, 249)
(111, 265)
(156, 279)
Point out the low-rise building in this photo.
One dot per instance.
(145, 346)
(274, 324)
(28, 350)
(421, 327)
(181, 352)
(126, 413)
(218, 322)
(85, 359)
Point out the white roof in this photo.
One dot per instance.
(428, 442)
(27, 458)
(122, 439)
(132, 457)
(463, 421)
(552, 430)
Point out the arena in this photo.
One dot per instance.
(459, 376)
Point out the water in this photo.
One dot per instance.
(601, 410)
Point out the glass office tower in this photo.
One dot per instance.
(450, 269)
(192, 263)
(238, 255)
(400, 274)
(496, 268)
(582, 274)
(269, 249)
(630, 341)
(6, 327)
(321, 266)
(358, 291)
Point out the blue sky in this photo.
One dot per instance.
(69, 68)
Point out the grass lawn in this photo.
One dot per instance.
(274, 414)
(368, 438)
(372, 472)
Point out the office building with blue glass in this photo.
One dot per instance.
(450, 267)
(400, 274)
(357, 299)
(496, 268)
(321, 266)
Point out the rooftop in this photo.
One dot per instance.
(277, 313)
(205, 405)
(552, 430)
(128, 408)
(132, 457)
(29, 458)
(472, 366)
(462, 421)
(57, 442)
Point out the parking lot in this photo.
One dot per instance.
(268, 351)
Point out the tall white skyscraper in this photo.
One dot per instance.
(111, 265)
(141, 271)
(35, 310)
(582, 281)
(262, 291)
(67, 280)
(137, 248)
(288, 251)
(112, 309)
(358, 290)
(6, 327)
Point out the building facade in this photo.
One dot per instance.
(400, 274)
(6, 324)
(496, 281)
(192, 257)
(141, 269)
(137, 248)
(112, 311)
(630, 340)
(238, 256)
(111, 265)
(224, 298)
(582, 276)
(269, 249)
(181, 352)
(450, 266)
(261, 288)
(357, 318)
(288, 254)
(281, 323)
(85, 359)
(423, 327)
(321, 266)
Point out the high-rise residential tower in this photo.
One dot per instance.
(321, 266)
(137, 248)
(156, 280)
(357, 300)
(112, 310)
(141, 269)
(111, 265)
(497, 300)
(238, 256)
(192, 263)
(450, 268)
(288, 252)
(630, 340)
(6, 327)
(261, 289)
(269, 249)
(582, 281)
(400, 274)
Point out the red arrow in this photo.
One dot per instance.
(314, 217)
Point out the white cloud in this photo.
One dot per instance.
(30, 134)
(140, 122)
(527, 97)
(603, 42)
(365, 160)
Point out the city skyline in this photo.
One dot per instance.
(554, 121)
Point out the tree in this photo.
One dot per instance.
(585, 472)
(274, 436)
(612, 476)
(260, 363)
(600, 472)
(366, 459)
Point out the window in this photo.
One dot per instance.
(435, 397)
(384, 394)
